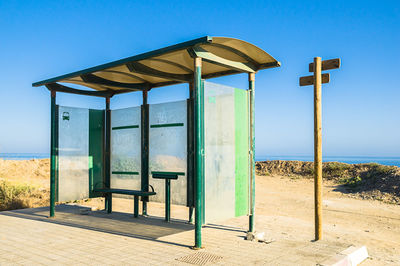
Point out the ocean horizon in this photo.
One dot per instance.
(385, 160)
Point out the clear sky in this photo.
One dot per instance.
(361, 110)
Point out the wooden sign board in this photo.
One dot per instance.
(326, 64)
(309, 80)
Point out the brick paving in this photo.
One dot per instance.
(28, 237)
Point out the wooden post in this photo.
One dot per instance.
(317, 149)
(317, 79)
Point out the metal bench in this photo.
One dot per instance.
(135, 193)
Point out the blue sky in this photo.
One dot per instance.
(42, 39)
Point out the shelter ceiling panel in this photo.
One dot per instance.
(182, 57)
(209, 68)
(249, 49)
(165, 65)
(79, 81)
(95, 86)
(223, 52)
(118, 76)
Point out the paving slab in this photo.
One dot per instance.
(29, 237)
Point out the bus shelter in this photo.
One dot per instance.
(198, 152)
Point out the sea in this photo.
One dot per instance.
(344, 159)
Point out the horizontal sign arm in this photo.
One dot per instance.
(326, 64)
(309, 80)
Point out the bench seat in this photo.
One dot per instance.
(126, 192)
(135, 193)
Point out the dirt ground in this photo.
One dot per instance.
(360, 222)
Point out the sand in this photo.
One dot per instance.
(34, 172)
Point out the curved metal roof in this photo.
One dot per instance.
(170, 65)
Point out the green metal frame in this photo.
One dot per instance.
(167, 125)
(53, 153)
(190, 153)
(107, 153)
(199, 152)
(125, 127)
(145, 150)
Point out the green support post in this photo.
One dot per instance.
(252, 151)
(145, 149)
(199, 151)
(136, 206)
(167, 200)
(190, 153)
(53, 154)
(108, 200)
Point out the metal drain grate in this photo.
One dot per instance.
(200, 258)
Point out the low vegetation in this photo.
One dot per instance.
(18, 196)
(368, 180)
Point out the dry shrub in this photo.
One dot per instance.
(18, 196)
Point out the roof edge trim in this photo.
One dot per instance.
(139, 57)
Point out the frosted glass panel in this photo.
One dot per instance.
(126, 148)
(219, 124)
(168, 146)
(73, 154)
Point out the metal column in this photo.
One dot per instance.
(252, 151)
(199, 150)
(145, 150)
(190, 153)
(53, 154)
(108, 200)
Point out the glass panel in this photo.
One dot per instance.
(126, 148)
(219, 127)
(168, 146)
(73, 175)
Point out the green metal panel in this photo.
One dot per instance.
(241, 153)
(96, 142)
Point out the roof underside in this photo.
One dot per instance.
(171, 65)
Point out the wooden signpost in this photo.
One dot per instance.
(317, 79)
